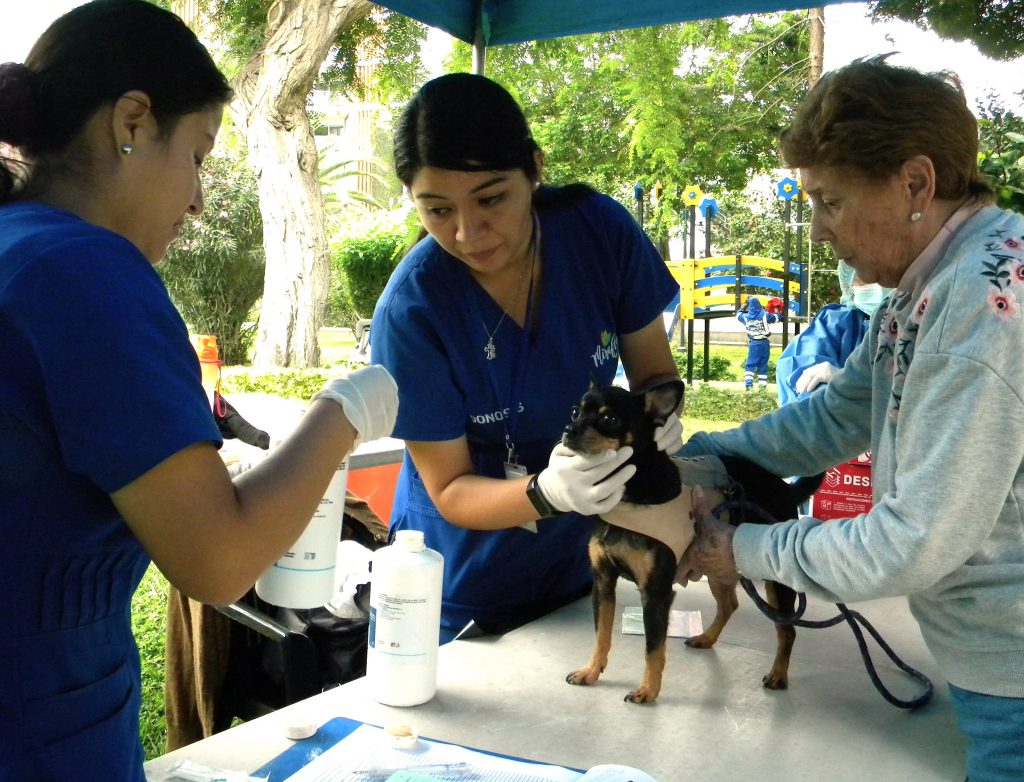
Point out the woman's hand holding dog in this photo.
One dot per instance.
(712, 545)
(585, 484)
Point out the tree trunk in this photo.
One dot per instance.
(816, 44)
(271, 92)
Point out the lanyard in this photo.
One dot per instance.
(521, 360)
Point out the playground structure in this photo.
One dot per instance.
(718, 286)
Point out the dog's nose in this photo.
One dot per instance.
(568, 435)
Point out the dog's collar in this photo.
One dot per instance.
(671, 522)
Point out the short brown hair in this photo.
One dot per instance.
(871, 117)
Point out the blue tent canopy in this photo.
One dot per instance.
(512, 21)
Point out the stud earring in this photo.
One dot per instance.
(536, 185)
(127, 149)
(915, 217)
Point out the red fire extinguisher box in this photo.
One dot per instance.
(845, 491)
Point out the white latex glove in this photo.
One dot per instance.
(815, 375)
(369, 397)
(669, 436)
(572, 481)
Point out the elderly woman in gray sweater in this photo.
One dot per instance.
(888, 157)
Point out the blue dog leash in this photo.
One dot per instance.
(845, 614)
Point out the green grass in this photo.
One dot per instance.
(149, 614)
(736, 355)
(691, 425)
(335, 346)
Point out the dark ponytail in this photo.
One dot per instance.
(89, 58)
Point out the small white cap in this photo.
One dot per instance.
(410, 539)
(402, 735)
(299, 728)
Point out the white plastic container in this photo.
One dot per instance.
(304, 576)
(405, 621)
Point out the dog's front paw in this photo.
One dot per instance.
(587, 675)
(775, 681)
(641, 695)
(702, 641)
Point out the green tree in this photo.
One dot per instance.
(700, 102)
(278, 50)
(1002, 153)
(996, 27)
(214, 273)
(754, 224)
(572, 105)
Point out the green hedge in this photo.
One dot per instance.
(214, 273)
(363, 256)
(722, 404)
(293, 384)
(719, 367)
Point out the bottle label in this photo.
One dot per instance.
(317, 547)
(402, 625)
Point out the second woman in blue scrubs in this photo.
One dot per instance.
(492, 326)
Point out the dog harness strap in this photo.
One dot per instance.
(708, 472)
(670, 522)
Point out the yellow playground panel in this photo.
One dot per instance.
(700, 295)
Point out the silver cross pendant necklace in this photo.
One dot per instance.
(490, 351)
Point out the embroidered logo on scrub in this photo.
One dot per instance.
(607, 350)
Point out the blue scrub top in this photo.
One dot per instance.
(99, 384)
(601, 278)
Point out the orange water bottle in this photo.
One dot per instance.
(209, 363)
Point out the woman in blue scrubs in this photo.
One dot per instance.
(108, 446)
(492, 326)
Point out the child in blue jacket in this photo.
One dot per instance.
(755, 320)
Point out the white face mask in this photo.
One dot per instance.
(846, 274)
(866, 298)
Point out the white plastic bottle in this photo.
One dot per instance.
(405, 621)
(304, 576)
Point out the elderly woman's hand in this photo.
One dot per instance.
(712, 546)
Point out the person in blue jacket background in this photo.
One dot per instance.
(108, 445)
(493, 326)
(817, 353)
(755, 320)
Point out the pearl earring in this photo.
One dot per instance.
(127, 149)
(915, 217)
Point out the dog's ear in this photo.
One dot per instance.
(664, 400)
(594, 385)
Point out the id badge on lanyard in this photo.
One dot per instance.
(513, 469)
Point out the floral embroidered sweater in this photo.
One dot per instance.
(936, 391)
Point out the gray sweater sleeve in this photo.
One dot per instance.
(947, 502)
(839, 415)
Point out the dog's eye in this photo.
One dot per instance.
(575, 413)
(609, 421)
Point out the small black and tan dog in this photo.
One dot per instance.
(612, 417)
